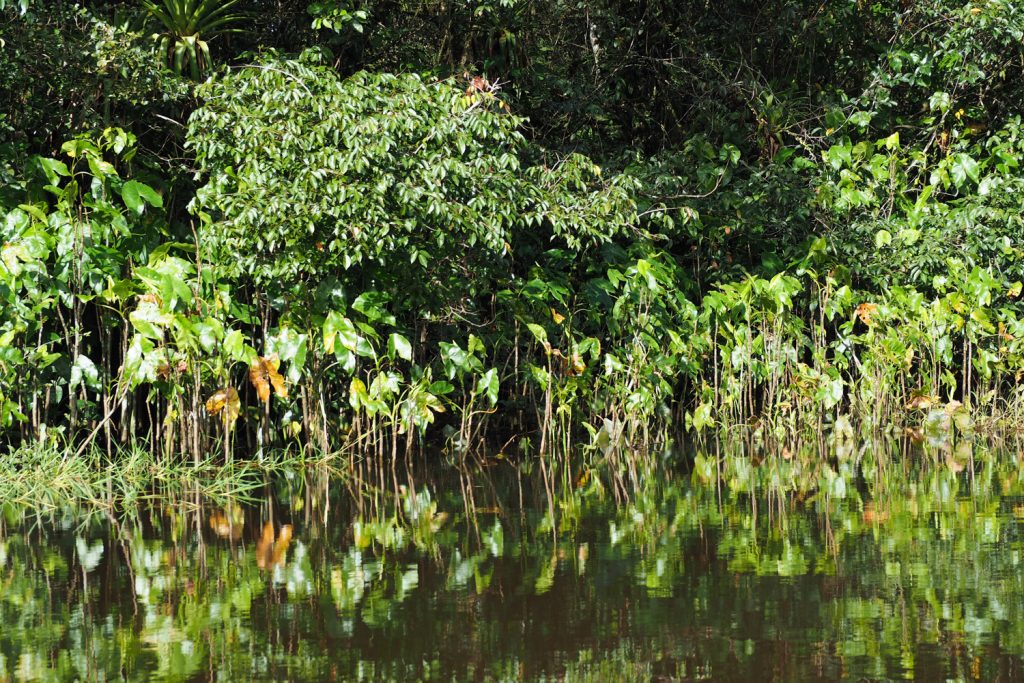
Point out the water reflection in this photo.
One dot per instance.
(874, 566)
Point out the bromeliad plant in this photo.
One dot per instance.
(187, 27)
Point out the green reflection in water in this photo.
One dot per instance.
(873, 566)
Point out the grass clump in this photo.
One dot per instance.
(47, 477)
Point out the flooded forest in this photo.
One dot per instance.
(511, 340)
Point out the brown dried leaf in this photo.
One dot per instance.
(228, 524)
(284, 539)
(872, 515)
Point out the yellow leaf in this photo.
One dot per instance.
(225, 400)
(865, 311)
(921, 402)
(263, 374)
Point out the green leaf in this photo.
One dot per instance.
(441, 388)
(136, 195)
(34, 211)
(909, 236)
(488, 386)
(131, 198)
(234, 345)
(939, 101)
(357, 395)
(400, 346)
(100, 169)
(861, 119)
(209, 332)
(643, 268)
(84, 371)
(964, 168)
(539, 333)
(53, 169)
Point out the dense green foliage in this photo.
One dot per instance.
(556, 227)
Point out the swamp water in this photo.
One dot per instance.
(898, 567)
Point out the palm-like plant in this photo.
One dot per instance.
(188, 26)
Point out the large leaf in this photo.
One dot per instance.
(264, 374)
(225, 401)
(399, 346)
(84, 371)
(136, 195)
(488, 385)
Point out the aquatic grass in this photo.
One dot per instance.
(48, 477)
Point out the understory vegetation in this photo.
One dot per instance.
(556, 233)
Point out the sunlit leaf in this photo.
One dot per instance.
(865, 311)
(84, 371)
(263, 374)
(400, 346)
(225, 401)
(489, 385)
(921, 402)
(357, 395)
(137, 195)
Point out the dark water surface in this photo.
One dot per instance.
(914, 573)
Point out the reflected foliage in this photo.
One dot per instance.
(910, 568)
